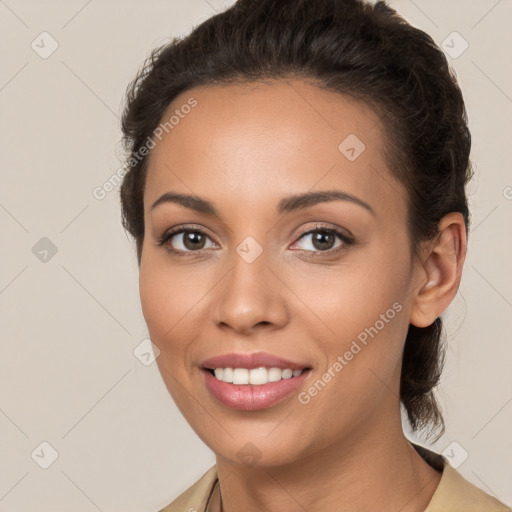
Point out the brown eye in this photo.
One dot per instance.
(323, 239)
(183, 241)
(193, 240)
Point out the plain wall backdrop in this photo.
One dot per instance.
(71, 323)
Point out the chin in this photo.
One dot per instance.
(255, 451)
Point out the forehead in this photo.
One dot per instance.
(257, 140)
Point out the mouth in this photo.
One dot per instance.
(252, 381)
(253, 389)
(254, 376)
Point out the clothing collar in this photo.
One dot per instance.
(453, 492)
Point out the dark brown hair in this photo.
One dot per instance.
(354, 48)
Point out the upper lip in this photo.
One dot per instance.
(249, 361)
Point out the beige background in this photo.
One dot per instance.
(68, 374)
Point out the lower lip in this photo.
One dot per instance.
(249, 397)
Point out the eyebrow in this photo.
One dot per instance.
(286, 205)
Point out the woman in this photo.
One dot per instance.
(296, 193)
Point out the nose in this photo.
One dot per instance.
(250, 297)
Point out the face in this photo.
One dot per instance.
(325, 283)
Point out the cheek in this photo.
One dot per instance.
(165, 311)
(346, 299)
(154, 300)
(173, 311)
(162, 307)
(364, 307)
(165, 295)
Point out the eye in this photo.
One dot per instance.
(182, 240)
(322, 239)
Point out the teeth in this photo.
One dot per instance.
(240, 376)
(255, 376)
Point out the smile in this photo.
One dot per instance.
(253, 389)
(255, 376)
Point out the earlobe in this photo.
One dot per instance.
(440, 271)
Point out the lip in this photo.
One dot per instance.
(249, 397)
(250, 361)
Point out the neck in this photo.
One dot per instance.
(376, 469)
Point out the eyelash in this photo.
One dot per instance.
(347, 240)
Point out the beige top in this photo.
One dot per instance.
(453, 494)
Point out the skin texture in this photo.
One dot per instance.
(244, 148)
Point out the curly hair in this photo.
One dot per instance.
(367, 51)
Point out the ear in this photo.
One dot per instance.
(439, 271)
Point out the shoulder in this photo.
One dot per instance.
(195, 497)
(456, 494)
